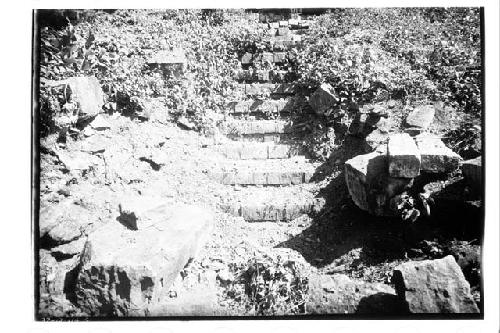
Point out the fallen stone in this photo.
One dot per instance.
(77, 161)
(404, 156)
(434, 286)
(55, 275)
(100, 123)
(283, 31)
(339, 294)
(184, 123)
(323, 99)
(369, 183)
(247, 58)
(131, 274)
(169, 61)
(421, 117)
(63, 223)
(375, 139)
(87, 93)
(435, 156)
(472, 171)
(69, 249)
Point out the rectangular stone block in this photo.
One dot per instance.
(421, 117)
(435, 156)
(403, 156)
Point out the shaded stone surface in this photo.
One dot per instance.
(434, 286)
(435, 156)
(421, 117)
(169, 61)
(369, 183)
(339, 294)
(131, 273)
(472, 171)
(403, 155)
(323, 99)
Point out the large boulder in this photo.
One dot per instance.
(323, 99)
(420, 119)
(435, 156)
(369, 183)
(404, 156)
(125, 270)
(434, 286)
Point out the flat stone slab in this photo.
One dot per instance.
(271, 204)
(253, 127)
(369, 183)
(257, 150)
(125, 272)
(421, 117)
(435, 156)
(403, 156)
(472, 171)
(290, 171)
(323, 99)
(434, 286)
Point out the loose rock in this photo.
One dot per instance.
(404, 156)
(434, 286)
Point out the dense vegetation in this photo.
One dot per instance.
(416, 55)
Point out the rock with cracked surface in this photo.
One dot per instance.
(434, 286)
(125, 272)
(435, 156)
(369, 183)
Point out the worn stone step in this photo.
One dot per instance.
(257, 150)
(292, 171)
(277, 57)
(254, 89)
(262, 106)
(272, 204)
(241, 127)
(264, 76)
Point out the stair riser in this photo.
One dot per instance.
(262, 178)
(253, 152)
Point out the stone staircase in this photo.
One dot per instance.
(262, 161)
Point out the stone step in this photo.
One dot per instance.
(256, 89)
(277, 57)
(272, 204)
(257, 150)
(292, 171)
(244, 127)
(262, 106)
(264, 76)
